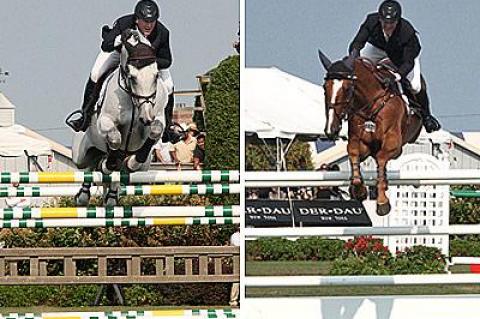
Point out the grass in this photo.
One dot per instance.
(296, 268)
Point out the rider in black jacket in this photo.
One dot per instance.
(386, 34)
(145, 19)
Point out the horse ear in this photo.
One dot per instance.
(325, 61)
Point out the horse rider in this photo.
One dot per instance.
(385, 34)
(145, 20)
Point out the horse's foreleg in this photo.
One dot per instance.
(135, 162)
(357, 187)
(383, 203)
(109, 131)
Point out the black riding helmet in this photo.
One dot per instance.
(147, 10)
(390, 11)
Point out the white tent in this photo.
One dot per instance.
(280, 105)
(14, 143)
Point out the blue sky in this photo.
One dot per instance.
(287, 34)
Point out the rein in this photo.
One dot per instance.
(385, 94)
(128, 89)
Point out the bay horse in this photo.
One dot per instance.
(379, 121)
(129, 118)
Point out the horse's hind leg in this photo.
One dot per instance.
(82, 198)
(111, 194)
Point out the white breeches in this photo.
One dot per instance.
(107, 60)
(375, 54)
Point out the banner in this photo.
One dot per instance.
(278, 213)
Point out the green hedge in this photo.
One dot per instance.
(465, 210)
(222, 115)
(135, 295)
(257, 156)
(465, 247)
(363, 255)
(312, 248)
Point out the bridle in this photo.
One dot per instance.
(351, 77)
(350, 93)
(123, 74)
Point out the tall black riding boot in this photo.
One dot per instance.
(89, 99)
(166, 137)
(430, 123)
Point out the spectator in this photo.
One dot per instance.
(329, 192)
(302, 164)
(182, 152)
(161, 152)
(199, 152)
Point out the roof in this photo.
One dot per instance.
(5, 103)
(278, 104)
(15, 142)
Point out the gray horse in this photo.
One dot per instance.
(128, 121)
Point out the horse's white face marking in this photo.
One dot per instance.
(336, 87)
(144, 80)
(331, 114)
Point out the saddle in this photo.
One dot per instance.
(386, 73)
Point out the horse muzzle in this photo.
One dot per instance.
(147, 113)
(332, 134)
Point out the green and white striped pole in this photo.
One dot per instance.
(206, 176)
(49, 191)
(119, 212)
(113, 222)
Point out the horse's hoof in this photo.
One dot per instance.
(111, 199)
(82, 198)
(110, 202)
(131, 164)
(383, 209)
(358, 192)
(357, 181)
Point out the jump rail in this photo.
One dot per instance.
(395, 280)
(117, 222)
(252, 233)
(119, 212)
(196, 313)
(465, 193)
(200, 189)
(283, 179)
(205, 176)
